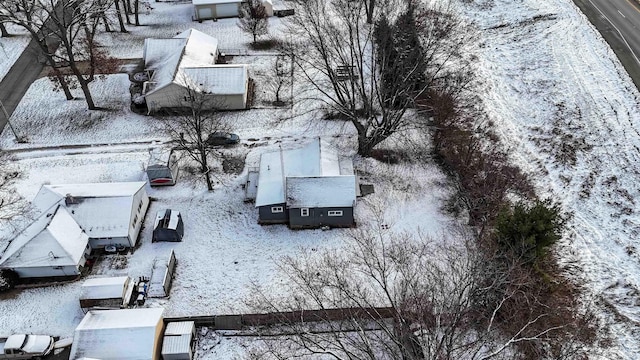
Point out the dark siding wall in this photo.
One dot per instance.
(265, 216)
(319, 217)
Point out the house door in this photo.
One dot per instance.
(205, 13)
(227, 10)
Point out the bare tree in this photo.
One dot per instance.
(65, 31)
(280, 77)
(116, 4)
(436, 290)
(349, 72)
(253, 19)
(126, 7)
(196, 117)
(3, 29)
(12, 205)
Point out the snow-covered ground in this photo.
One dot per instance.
(12, 47)
(554, 90)
(568, 111)
(224, 249)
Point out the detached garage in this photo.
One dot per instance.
(216, 9)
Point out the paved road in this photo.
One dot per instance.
(619, 23)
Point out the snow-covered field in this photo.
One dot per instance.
(562, 104)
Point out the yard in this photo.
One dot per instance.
(224, 249)
(533, 86)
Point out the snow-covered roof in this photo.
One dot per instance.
(174, 218)
(311, 192)
(220, 79)
(316, 159)
(100, 209)
(212, 2)
(117, 334)
(104, 288)
(179, 328)
(53, 239)
(188, 60)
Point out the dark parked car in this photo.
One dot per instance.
(222, 138)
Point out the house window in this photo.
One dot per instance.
(276, 209)
(335, 213)
(304, 212)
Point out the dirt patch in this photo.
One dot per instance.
(233, 163)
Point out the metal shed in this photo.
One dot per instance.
(168, 226)
(179, 341)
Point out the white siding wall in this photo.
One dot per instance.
(138, 212)
(29, 272)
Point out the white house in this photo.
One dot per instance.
(108, 213)
(311, 186)
(128, 334)
(53, 245)
(216, 9)
(186, 63)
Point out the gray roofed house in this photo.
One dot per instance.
(307, 187)
(188, 62)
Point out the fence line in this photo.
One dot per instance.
(241, 321)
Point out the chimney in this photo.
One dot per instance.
(69, 199)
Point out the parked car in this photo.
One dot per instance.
(220, 138)
(23, 346)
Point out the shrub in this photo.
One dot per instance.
(527, 231)
(8, 279)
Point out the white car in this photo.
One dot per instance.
(23, 346)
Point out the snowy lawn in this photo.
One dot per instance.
(563, 104)
(12, 47)
(224, 249)
(167, 19)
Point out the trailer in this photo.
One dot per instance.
(163, 167)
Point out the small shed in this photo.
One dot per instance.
(110, 292)
(162, 276)
(163, 167)
(168, 226)
(179, 341)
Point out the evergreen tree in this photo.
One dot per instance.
(527, 231)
